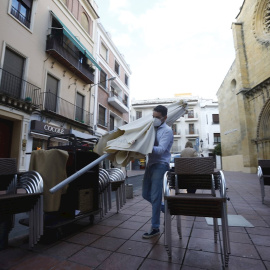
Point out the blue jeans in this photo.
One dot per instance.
(152, 189)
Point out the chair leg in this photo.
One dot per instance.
(105, 201)
(225, 235)
(110, 196)
(168, 234)
(179, 228)
(215, 222)
(124, 192)
(117, 199)
(262, 189)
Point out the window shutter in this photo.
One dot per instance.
(103, 51)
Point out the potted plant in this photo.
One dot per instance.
(28, 99)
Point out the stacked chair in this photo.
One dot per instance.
(13, 203)
(111, 180)
(264, 175)
(196, 173)
(105, 197)
(117, 178)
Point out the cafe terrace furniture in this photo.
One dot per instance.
(264, 175)
(197, 173)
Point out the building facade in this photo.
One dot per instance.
(244, 99)
(200, 125)
(111, 91)
(46, 72)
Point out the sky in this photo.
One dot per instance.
(172, 46)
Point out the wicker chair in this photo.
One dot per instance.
(189, 175)
(264, 175)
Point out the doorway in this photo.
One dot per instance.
(6, 128)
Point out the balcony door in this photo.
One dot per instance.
(12, 73)
(51, 93)
(79, 107)
(111, 123)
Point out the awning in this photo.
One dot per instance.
(76, 42)
(45, 137)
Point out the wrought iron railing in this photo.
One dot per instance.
(18, 88)
(102, 122)
(70, 56)
(192, 132)
(20, 17)
(52, 103)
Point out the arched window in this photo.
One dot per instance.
(233, 84)
(85, 22)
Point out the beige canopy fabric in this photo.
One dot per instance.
(136, 139)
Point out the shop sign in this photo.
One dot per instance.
(45, 128)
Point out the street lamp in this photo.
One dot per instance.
(201, 141)
(110, 79)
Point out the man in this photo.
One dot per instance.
(158, 164)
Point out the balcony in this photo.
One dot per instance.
(191, 118)
(59, 48)
(118, 103)
(192, 133)
(176, 133)
(18, 93)
(52, 105)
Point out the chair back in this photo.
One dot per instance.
(195, 173)
(199, 165)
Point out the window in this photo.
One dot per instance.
(79, 107)
(51, 93)
(111, 122)
(116, 68)
(215, 118)
(21, 10)
(102, 116)
(191, 129)
(125, 101)
(38, 144)
(138, 114)
(104, 51)
(103, 79)
(85, 22)
(217, 138)
(191, 114)
(12, 74)
(126, 79)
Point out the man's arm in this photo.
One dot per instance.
(163, 142)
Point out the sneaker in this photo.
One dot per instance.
(153, 233)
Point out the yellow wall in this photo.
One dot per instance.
(241, 106)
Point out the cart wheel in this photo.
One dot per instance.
(91, 219)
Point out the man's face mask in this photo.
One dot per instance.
(157, 122)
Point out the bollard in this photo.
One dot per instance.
(129, 191)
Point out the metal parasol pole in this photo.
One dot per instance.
(78, 173)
